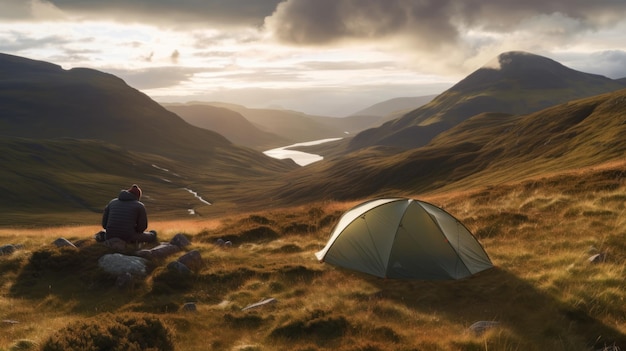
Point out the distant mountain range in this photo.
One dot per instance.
(514, 83)
(70, 139)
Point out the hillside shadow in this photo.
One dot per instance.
(536, 318)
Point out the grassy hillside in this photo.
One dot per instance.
(486, 149)
(515, 83)
(230, 124)
(544, 293)
(69, 181)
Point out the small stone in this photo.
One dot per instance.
(480, 327)
(597, 258)
(180, 240)
(62, 242)
(7, 249)
(190, 307)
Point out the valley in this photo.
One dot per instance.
(529, 156)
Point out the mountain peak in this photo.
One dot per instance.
(520, 60)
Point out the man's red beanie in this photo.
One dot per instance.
(135, 191)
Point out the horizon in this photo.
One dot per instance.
(330, 58)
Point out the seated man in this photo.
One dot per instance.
(125, 218)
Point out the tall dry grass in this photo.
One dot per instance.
(544, 292)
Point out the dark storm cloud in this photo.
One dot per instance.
(167, 12)
(429, 23)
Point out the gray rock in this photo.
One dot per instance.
(180, 240)
(192, 260)
(190, 307)
(119, 264)
(161, 251)
(261, 303)
(597, 258)
(480, 327)
(62, 242)
(7, 249)
(179, 267)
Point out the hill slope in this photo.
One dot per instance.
(514, 83)
(485, 149)
(230, 124)
(41, 102)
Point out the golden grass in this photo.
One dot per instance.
(544, 292)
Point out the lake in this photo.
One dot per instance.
(299, 157)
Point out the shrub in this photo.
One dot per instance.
(108, 332)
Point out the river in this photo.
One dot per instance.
(299, 157)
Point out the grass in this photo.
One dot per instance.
(544, 292)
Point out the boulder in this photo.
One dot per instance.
(125, 281)
(192, 260)
(118, 264)
(179, 267)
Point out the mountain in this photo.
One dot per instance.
(230, 124)
(488, 148)
(56, 126)
(514, 83)
(394, 106)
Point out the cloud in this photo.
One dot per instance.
(180, 13)
(429, 22)
(154, 78)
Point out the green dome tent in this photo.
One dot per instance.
(406, 239)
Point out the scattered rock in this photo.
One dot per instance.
(597, 258)
(261, 303)
(178, 267)
(9, 321)
(160, 251)
(180, 240)
(480, 327)
(192, 260)
(190, 307)
(7, 249)
(222, 243)
(62, 242)
(119, 264)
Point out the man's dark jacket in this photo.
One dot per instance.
(124, 217)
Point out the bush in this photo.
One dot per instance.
(114, 333)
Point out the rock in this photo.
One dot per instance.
(62, 242)
(160, 251)
(7, 249)
(179, 267)
(180, 240)
(190, 307)
(219, 242)
(480, 327)
(115, 243)
(597, 258)
(271, 300)
(119, 264)
(192, 260)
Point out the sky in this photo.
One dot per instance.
(321, 57)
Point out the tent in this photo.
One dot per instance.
(406, 239)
